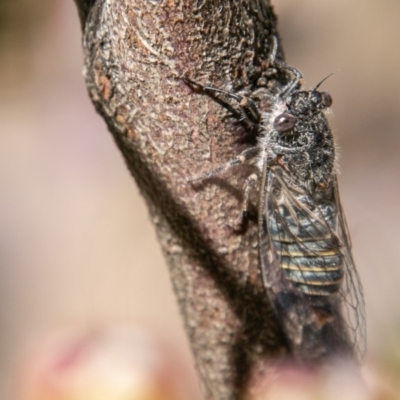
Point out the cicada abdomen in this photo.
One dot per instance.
(308, 251)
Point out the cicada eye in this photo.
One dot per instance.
(284, 122)
(326, 99)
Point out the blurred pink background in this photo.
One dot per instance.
(76, 245)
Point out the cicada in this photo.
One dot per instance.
(305, 254)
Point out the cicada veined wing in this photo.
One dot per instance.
(308, 269)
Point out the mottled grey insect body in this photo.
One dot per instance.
(298, 146)
(304, 245)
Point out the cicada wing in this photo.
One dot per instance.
(294, 309)
(351, 292)
(301, 256)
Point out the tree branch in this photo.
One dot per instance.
(135, 55)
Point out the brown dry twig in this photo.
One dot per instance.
(135, 55)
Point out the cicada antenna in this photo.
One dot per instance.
(321, 82)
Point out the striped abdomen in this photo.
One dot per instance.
(309, 253)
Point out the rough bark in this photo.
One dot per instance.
(135, 55)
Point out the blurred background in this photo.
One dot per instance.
(77, 250)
